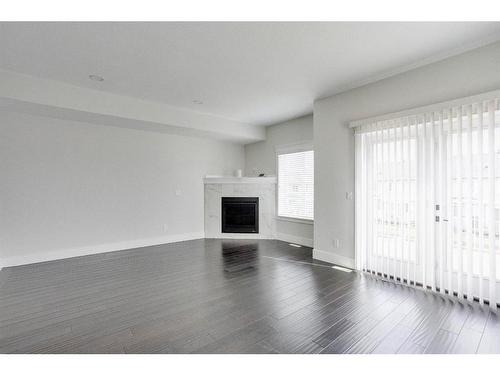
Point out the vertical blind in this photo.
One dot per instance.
(428, 198)
(296, 185)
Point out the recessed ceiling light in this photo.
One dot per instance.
(197, 101)
(97, 78)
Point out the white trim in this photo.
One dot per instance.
(295, 220)
(239, 180)
(333, 258)
(489, 39)
(304, 241)
(428, 108)
(97, 249)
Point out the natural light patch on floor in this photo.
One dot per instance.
(341, 269)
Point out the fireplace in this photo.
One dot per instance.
(240, 215)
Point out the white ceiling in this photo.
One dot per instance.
(253, 73)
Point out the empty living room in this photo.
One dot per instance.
(251, 192)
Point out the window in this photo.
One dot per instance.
(296, 184)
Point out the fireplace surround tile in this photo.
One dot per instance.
(266, 192)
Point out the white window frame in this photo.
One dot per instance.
(290, 149)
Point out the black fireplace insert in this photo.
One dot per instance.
(240, 215)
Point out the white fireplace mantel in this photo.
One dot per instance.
(239, 180)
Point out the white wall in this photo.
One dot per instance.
(69, 188)
(467, 74)
(260, 157)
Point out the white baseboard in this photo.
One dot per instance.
(126, 245)
(294, 239)
(334, 258)
(97, 249)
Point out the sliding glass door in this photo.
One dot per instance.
(428, 199)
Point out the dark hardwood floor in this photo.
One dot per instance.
(214, 296)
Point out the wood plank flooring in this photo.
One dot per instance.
(227, 296)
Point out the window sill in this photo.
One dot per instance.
(295, 220)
